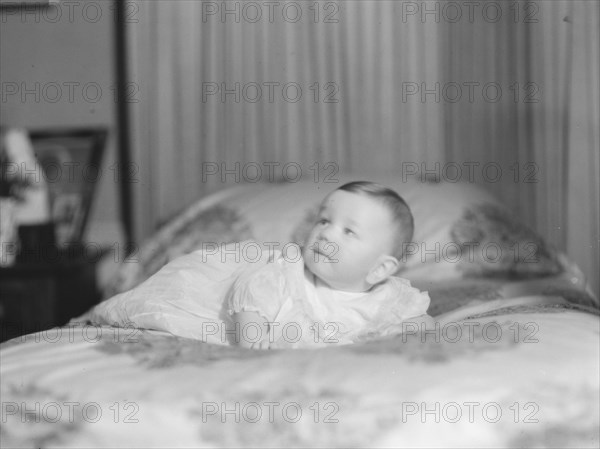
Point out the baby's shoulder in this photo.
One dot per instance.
(398, 282)
(396, 290)
(396, 285)
(398, 293)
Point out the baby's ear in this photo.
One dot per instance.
(385, 267)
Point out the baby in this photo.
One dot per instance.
(343, 287)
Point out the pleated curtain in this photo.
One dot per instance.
(349, 59)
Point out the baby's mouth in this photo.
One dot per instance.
(319, 252)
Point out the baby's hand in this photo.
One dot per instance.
(243, 319)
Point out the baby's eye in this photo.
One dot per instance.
(322, 221)
(349, 231)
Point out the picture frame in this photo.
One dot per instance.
(71, 162)
(26, 3)
(16, 4)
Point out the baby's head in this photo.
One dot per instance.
(359, 236)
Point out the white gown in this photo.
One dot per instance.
(194, 296)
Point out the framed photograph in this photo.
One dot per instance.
(25, 3)
(71, 161)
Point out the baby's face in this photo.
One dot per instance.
(352, 233)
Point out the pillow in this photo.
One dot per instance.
(182, 235)
(461, 231)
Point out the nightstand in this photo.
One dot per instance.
(42, 294)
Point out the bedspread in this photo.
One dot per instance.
(524, 373)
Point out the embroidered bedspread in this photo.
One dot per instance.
(496, 372)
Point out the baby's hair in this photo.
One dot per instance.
(401, 214)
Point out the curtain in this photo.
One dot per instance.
(320, 86)
(582, 158)
(542, 129)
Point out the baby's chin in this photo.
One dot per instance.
(311, 268)
(317, 265)
(334, 284)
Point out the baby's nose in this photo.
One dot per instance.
(326, 233)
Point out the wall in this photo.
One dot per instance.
(69, 45)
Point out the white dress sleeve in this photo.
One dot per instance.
(259, 289)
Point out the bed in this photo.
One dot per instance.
(513, 360)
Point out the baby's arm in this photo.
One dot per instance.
(248, 326)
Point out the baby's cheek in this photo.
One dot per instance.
(309, 244)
